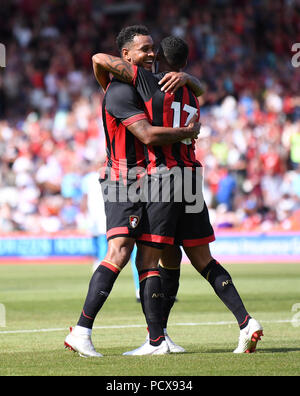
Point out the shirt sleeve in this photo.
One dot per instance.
(146, 83)
(124, 103)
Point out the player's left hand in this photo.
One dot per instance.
(172, 81)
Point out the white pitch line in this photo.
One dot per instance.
(139, 326)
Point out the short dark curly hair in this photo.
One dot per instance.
(175, 50)
(128, 33)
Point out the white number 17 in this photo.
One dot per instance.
(176, 106)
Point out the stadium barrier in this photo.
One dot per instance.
(235, 247)
(254, 247)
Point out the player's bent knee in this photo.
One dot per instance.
(199, 256)
(147, 257)
(119, 250)
(171, 258)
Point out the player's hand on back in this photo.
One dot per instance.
(173, 81)
(195, 126)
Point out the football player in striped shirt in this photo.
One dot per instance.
(169, 224)
(122, 111)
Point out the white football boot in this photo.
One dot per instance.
(147, 349)
(249, 337)
(174, 348)
(82, 344)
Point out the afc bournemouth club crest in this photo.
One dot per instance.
(134, 221)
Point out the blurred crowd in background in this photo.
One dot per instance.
(51, 134)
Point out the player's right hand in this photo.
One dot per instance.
(196, 129)
(172, 81)
(195, 126)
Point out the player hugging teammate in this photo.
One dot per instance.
(152, 130)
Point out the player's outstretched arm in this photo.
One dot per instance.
(159, 136)
(102, 76)
(174, 80)
(122, 70)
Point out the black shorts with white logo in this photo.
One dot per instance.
(123, 217)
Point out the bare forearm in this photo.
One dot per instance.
(174, 80)
(195, 85)
(160, 136)
(102, 76)
(112, 64)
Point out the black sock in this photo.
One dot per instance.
(100, 287)
(223, 286)
(169, 285)
(151, 299)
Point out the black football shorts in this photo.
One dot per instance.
(181, 221)
(122, 218)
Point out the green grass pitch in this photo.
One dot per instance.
(42, 301)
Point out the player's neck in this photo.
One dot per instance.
(165, 67)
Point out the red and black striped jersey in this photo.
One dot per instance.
(164, 109)
(121, 107)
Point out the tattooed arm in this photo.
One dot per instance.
(103, 63)
(102, 76)
(122, 70)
